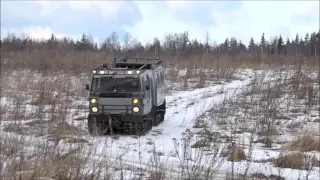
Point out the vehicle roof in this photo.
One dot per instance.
(141, 63)
(131, 64)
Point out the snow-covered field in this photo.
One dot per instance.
(220, 124)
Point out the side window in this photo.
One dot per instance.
(158, 80)
(143, 84)
(162, 72)
(97, 83)
(147, 80)
(94, 82)
(161, 78)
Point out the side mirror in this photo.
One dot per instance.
(87, 87)
(147, 87)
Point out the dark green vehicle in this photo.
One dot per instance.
(126, 97)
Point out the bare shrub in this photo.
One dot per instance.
(194, 162)
(186, 77)
(157, 169)
(172, 74)
(202, 77)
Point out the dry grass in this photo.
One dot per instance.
(72, 61)
(236, 154)
(52, 100)
(52, 60)
(182, 79)
(65, 166)
(304, 144)
(199, 144)
(273, 105)
(261, 176)
(65, 131)
(293, 161)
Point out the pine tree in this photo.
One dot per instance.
(252, 45)
(280, 44)
(262, 44)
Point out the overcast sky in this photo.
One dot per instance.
(146, 19)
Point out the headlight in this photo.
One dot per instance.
(94, 71)
(93, 101)
(94, 109)
(135, 109)
(135, 101)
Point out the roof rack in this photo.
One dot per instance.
(127, 66)
(104, 66)
(137, 63)
(109, 69)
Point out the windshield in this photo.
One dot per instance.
(108, 84)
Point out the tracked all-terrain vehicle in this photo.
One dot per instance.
(126, 97)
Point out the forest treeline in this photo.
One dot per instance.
(24, 51)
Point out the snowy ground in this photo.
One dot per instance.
(43, 125)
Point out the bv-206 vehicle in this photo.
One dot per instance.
(126, 97)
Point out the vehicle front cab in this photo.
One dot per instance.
(120, 97)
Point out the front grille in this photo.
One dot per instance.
(115, 109)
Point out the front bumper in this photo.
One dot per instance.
(119, 122)
(116, 118)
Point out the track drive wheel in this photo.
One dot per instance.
(162, 114)
(155, 119)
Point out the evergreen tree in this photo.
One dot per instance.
(252, 45)
(177, 44)
(262, 44)
(280, 44)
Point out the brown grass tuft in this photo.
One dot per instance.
(236, 153)
(64, 131)
(293, 160)
(304, 144)
(158, 175)
(199, 144)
